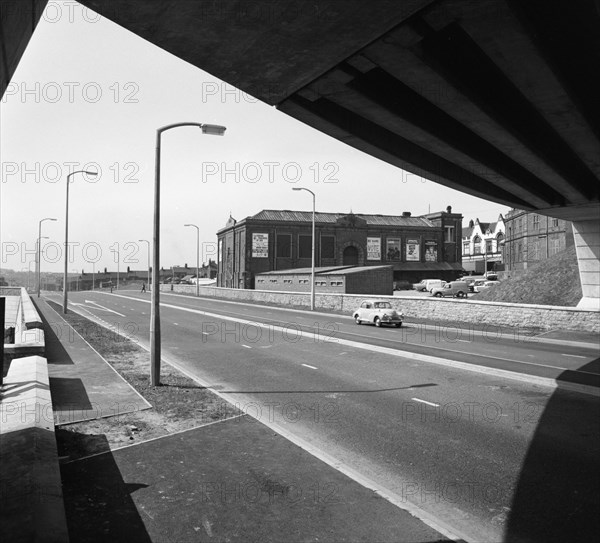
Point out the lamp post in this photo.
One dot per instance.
(93, 276)
(29, 275)
(197, 258)
(312, 285)
(118, 261)
(65, 288)
(76, 279)
(148, 260)
(39, 252)
(155, 344)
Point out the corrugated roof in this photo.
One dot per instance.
(331, 218)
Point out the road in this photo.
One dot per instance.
(488, 457)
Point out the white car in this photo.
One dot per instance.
(377, 312)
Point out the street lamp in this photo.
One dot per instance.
(148, 260)
(118, 262)
(197, 258)
(65, 288)
(211, 129)
(76, 278)
(312, 286)
(39, 259)
(29, 275)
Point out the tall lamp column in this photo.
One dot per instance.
(312, 274)
(155, 342)
(39, 252)
(197, 258)
(65, 278)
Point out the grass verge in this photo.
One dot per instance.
(178, 404)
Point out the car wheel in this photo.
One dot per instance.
(377, 321)
(438, 294)
(356, 319)
(460, 294)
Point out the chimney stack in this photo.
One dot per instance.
(449, 209)
(406, 213)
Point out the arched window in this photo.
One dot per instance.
(477, 245)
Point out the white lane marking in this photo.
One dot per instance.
(424, 401)
(574, 355)
(102, 307)
(176, 324)
(308, 366)
(531, 379)
(464, 340)
(246, 346)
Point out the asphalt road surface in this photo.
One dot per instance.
(488, 457)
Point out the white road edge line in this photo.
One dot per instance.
(573, 355)
(425, 401)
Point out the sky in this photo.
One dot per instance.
(90, 95)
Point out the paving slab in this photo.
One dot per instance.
(83, 384)
(232, 481)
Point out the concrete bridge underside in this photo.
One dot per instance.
(496, 98)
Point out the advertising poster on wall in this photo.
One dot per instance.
(373, 248)
(220, 255)
(260, 245)
(413, 250)
(431, 251)
(393, 249)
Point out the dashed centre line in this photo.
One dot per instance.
(309, 366)
(574, 355)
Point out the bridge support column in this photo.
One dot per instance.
(586, 235)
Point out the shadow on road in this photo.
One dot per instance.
(557, 497)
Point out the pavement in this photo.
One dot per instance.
(233, 480)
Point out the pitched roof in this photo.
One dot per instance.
(332, 218)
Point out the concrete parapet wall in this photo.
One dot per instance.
(442, 310)
(31, 502)
(31, 317)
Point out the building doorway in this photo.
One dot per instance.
(350, 256)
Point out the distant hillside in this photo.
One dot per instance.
(554, 281)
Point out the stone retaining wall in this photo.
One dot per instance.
(442, 310)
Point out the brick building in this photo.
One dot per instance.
(371, 280)
(273, 240)
(531, 237)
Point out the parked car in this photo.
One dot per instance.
(471, 279)
(486, 285)
(460, 289)
(377, 312)
(476, 285)
(429, 284)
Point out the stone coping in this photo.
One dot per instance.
(31, 502)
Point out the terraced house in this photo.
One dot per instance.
(273, 240)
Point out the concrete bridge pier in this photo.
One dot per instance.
(587, 242)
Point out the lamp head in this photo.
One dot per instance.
(213, 129)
